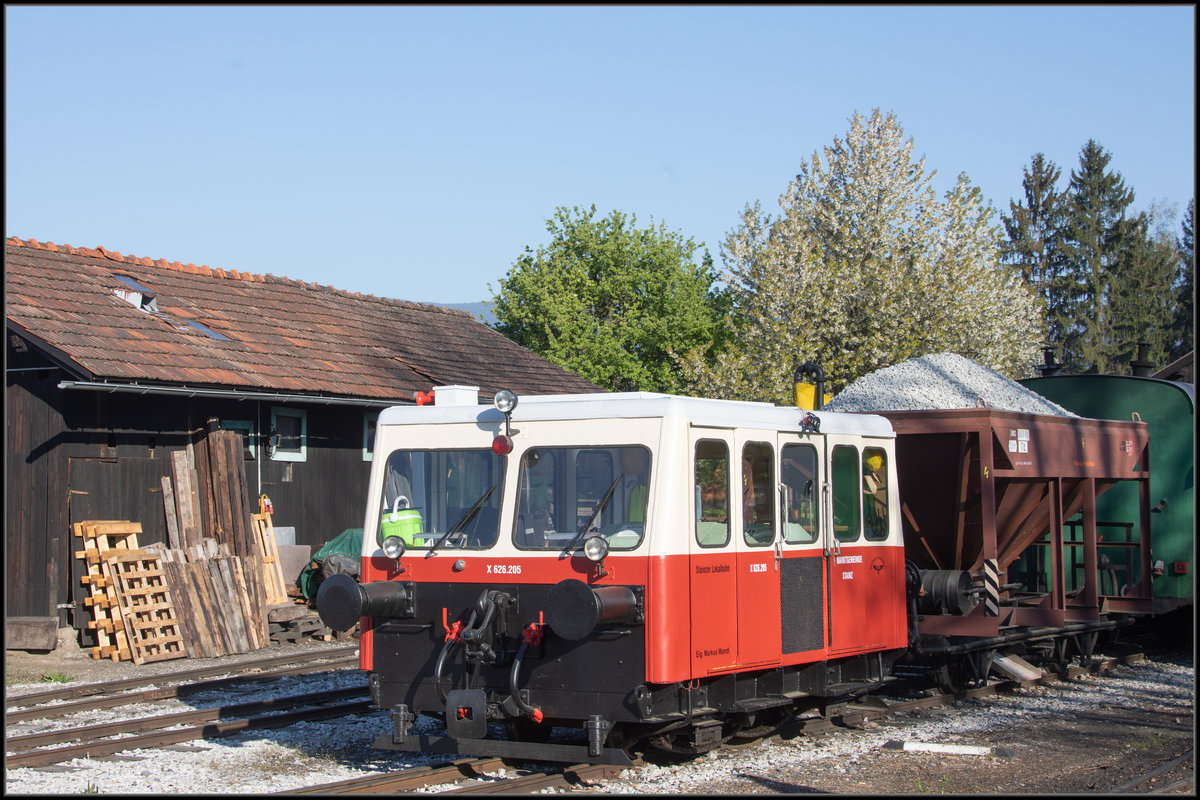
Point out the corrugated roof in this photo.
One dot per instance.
(280, 334)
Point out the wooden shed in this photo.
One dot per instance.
(115, 363)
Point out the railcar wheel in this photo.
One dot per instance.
(957, 676)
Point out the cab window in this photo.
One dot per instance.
(758, 496)
(798, 474)
(565, 494)
(711, 485)
(442, 498)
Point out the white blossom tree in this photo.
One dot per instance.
(865, 268)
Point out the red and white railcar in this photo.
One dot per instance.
(641, 566)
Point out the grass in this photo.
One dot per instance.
(941, 789)
(55, 677)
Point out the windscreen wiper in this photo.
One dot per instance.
(595, 513)
(466, 518)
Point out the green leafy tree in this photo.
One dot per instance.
(863, 268)
(1034, 231)
(617, 304)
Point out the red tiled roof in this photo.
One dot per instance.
(283, 335)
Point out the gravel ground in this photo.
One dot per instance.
(1094, 734)
(941, 381)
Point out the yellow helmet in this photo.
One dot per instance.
(875, 462)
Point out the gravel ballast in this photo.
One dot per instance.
(1040, 726)
(941, 381)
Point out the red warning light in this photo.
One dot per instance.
(502, 445)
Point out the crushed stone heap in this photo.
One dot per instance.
(941, 381)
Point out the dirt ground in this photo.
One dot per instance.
(1094, 752)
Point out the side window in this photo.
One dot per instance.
(758, 497)
(712, 493)
(875, 493)
(847, 478)
(799, 478)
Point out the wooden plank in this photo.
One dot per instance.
(183, 495)
(272, 572)
(169, 510)
(222, 572)
(223, 523)
(207, 631)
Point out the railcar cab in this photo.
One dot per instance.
(631, 564)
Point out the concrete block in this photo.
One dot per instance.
(30, 633)
(293, 558)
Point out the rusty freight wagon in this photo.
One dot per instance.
(999, 517)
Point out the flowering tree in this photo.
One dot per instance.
(865, 268)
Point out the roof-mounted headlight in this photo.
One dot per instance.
(506, 401)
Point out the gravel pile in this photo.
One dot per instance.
(941, 381)
(315, 753)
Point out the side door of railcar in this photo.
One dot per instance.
(711, 551)
(801, 549)
(755, 541)
(858, 564)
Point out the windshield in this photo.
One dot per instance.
(442, 498)
(567, 493)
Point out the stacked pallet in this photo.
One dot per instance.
(295, 622)
(134, 614)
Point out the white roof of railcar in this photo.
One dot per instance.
(639, 405)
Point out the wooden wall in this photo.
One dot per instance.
(75, 455)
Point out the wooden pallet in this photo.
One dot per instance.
(274, 583)
(100, 538)
(146, 606)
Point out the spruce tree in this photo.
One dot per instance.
(1096, 239)
(1033, 247)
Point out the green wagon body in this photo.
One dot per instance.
(1168, 408)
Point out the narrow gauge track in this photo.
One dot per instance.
(43, 749)
(854, 714)
(117, 693)
(97, 740)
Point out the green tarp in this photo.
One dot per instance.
(347, 543)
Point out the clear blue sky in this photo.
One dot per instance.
(414, 152)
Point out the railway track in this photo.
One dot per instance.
(55, 746)
(526, 779)
(35, 705)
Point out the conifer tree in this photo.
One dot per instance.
(1033, 247)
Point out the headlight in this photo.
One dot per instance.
(506, 401)
(595, 548)
(393, 547)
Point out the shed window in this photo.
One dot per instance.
(289, 435)
(370, 420)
